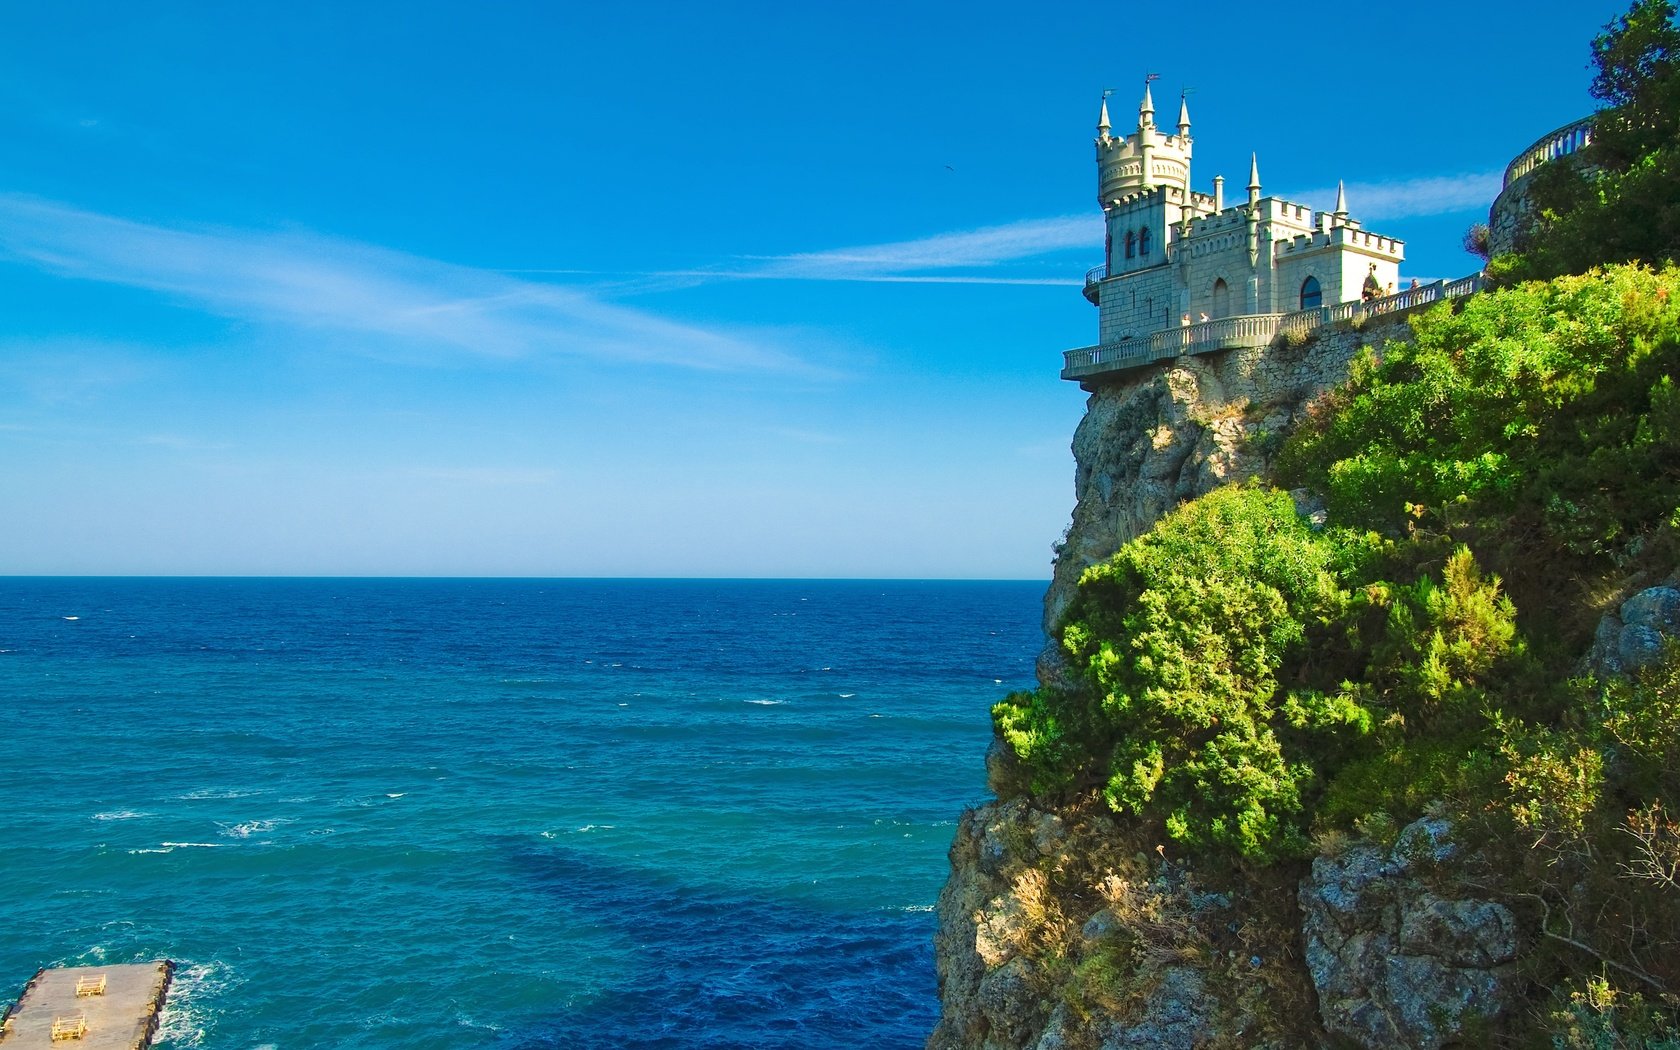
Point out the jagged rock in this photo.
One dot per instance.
(1012, 1004)
(1175, 1017)
(1401, 961)
(1634, 634)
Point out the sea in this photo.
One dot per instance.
(498, 813)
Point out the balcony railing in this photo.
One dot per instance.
(1093, 277)
(1248, 331)
(1560, 143)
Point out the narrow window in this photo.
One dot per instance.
(1143, 241)
(1221, 298)
(1311, 297)
(1131, 244)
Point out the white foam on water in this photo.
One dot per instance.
(192, 995)
(596, 827)
(72, 618)
(472, 1022)
(845, 696)
(120, 814)
(398, 794)
(250, 827)
(764, 703)
(165, 849)
(218, 793)
(192, 845)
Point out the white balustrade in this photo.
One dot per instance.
(1248, 331)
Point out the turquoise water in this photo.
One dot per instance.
(527, 814)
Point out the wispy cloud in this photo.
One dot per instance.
(909, 262)
(1411, 198)
(321, 283)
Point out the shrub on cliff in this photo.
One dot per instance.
(1179, 639)
(1540, 423)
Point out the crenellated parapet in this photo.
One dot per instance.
(1144, 158)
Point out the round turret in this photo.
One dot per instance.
(1145, 158)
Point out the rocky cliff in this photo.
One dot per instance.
(1069, 929)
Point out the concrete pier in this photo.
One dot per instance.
(88, 1008)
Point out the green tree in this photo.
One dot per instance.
(1619, 200)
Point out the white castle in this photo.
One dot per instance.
(1176, 258)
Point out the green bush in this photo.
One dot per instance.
(1541, 423)
(1178, 640)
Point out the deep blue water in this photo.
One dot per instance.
(498, 813)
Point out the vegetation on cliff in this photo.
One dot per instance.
(1247, 680)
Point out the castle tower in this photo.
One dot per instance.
(1143, 159)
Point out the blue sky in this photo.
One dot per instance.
(662, 290)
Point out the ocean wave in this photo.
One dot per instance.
(120, 814)
(192, 845)
(250, 827)
(218, 793)
(185, 1018)
(764, 703)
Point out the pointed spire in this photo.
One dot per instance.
(1102, 121)
(1183, 115)
(1253, 171)
(1341, 200)
(1146, 108)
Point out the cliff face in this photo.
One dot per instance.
(1155, 438)
(1069, 929)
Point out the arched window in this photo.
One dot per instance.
(1131, 245)
(1143, 241)
(1311, 297)
(1221, 298)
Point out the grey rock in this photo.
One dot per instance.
(1097, 927)
(1399, 962)
(1634, 635)
(1176, 1016)
(1639, 645)
(1655, 607)
(1014, 1010)
(1426, 841)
